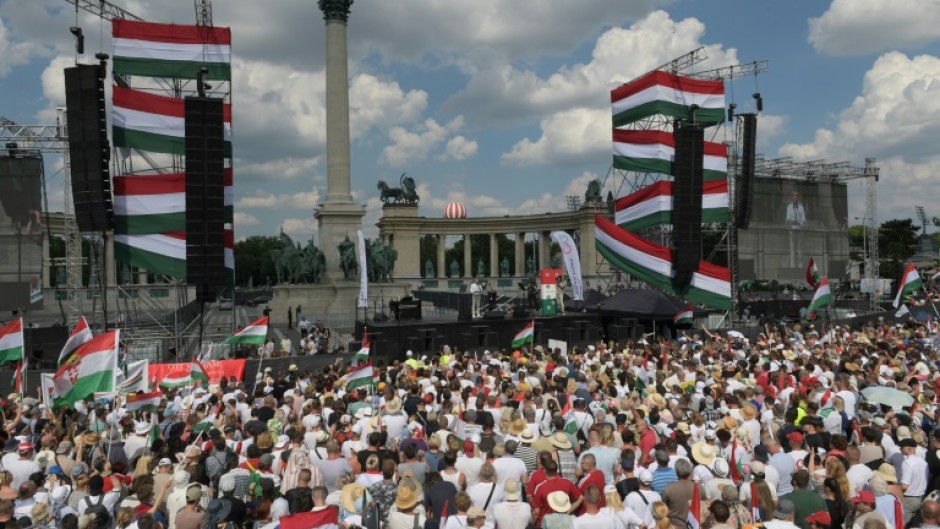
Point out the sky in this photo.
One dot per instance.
(504, 105)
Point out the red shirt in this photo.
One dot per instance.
(535, 480)
(540, 496)
(647, 442)
(594, 478)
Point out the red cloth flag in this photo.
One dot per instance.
(735, 474)
(695, 507)
(310, 519)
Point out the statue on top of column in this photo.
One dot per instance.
(335, 9)
(406, 194)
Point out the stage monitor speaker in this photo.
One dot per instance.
(463, 313)
(744, 190)
(495, 315)
(519, 312)
(89, 149)
(687, 202)
(205, 192)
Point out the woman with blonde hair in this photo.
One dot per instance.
(125, 517)
(835, 471)
(620, 511)
(661, 515)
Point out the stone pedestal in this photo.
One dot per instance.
(406, 240)
(334, 304)
(334, 223)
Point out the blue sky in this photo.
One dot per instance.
(503, 105)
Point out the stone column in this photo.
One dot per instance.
(338, 217)
(441, 265)
(467, 257)
(520, 255)
(545, 250)
(141, 276)
(494, 256)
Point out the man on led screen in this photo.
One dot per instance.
(796, 218)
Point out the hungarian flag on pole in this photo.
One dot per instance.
(143, 401)
(136, 378)
(80, 334)
(812, 274)
(684, 317)
(90, 369)
(363, 354)
(821, 298)
(254, 334)
(359, 377)
(910, 282)
(526, 335)
(197, 372)
(11, 341)
(18, 376)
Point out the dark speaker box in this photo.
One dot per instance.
(687, 202)
(205, 192)
(519, 312)
(495, 314)
(744, 190)
(89, 149)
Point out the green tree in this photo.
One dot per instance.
(253, 260)
(897, 239)
(857, 242)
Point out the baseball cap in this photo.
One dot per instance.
(796, 437)
(645, 476)
(193, 493)
(227, 483)
(865, 496)
(165, 462)
(784, 508)
(25, 446)
(469, 448)
(820, 518)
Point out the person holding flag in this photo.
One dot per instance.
(910, 282)
(821, 298)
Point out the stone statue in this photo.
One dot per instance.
(293, 264)
(530, 265)
(481, 267)
(428, 269)
(504, 267)
(347, 257)
(593, 193)
(454, 269)
(381, 261)
(406, 194)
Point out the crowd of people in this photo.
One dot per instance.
(710, 431)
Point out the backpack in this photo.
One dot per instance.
(100, 515)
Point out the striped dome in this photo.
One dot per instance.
(455, 210)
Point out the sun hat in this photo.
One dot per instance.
(527, 435)
(406, 498)
(349, 497)
(560, 440)
(217, 511)
(704, 453)
(475, 513)
(888, 472)
(511, 490)
(393, 406)
(720, 467)
(323, 436)
(559, 501)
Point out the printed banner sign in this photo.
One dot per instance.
(215, 369)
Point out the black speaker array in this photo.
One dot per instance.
(205, 195)
(744, 190)
(687, 202)
(89, 149)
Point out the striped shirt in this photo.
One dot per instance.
(528, 455)
(662, 477)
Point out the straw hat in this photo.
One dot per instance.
(350, 496)
(393, 406)
(517, 427)
(704, 453)
(728, 423)
(658, 400)
(560, 440)
(406, 498)
(559, 501)
(748, 411)
(888, 472)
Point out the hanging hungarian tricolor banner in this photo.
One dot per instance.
(90, 369)
(812, 273)
(148, 204)
(684, 316)
(168, 50)
(653, 151)
(526, 335)
(650, 262)
(143, 401)
(254, 334)
(821, 298)
(572, 262)
(199, 373)
(910, 282)
(652, 205)
(156, 123)
(363, 353)
(161, 253)
(136, 378)
(80, 334)
(668, 94)
(11, 341)
(359, 377)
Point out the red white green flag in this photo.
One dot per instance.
(156, 203)
(364, 351)
(11, 341)
(80, 334)
(653, 151)
(684, 316)
(197, 372)
(526, 335)
(170, 50)
(360, 376)
(143, 401)
(910, 282)
(812, 273)
(650, 262)
(652, 205)
(821, 298)
(90, 369)
(935, 277)
(668, 94)
(254, 334)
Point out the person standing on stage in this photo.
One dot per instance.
(796, 219)
(476, 290)
(560, 293)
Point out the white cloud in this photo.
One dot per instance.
(894, 118)
(576, 135)
(410, 146)
(502, 92)
(376, 103)
(15, 52)
(300, 229)
(769, 127)
(244, 219)
(459, 148)
(858, 27)
(281, 169)
(261, 199)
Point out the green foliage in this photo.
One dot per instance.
(897, 239)
(253, 260)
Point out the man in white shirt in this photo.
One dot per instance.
(796, 218)
(486, 494)
(913, 478)
(857, 474)
(512, 513)
(594, 517)
(22, 467)
(476, 291)
(469, 464)
(641, 500)
(509, 466)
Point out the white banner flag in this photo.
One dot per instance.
(136, 378)
(48, 389)
(363, 301)
(569, 254)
